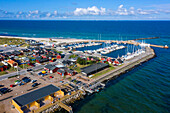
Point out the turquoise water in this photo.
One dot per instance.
(145, 89)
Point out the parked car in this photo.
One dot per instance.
(17, 82)
(35, 84)
(32, 81)
(12, 85)
(21, 84)
(40, 73)
(61, 81)
(26, 79)
(29, 69)
(4, 90)
(51, 76)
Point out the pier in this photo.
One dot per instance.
(69, 109)
(59, 103)
(127, 66)
(131, 42)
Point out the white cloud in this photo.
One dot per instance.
(140, 11)
(34, 12)
(90, 11)
(48, 14)
(55, 12)
(121, 6)
(121, 10)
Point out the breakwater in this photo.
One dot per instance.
(70, 99)
(126, 67)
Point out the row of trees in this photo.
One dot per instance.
(83, 61)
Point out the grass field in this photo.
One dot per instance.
(78, 67)
(2, 73)
(12, 41)
(103, 72)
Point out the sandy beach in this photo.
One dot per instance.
(47, 39)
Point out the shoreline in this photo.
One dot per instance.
(112, 75)
(67, 40)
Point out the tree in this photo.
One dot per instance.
(81, 61)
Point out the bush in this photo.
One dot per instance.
(81, 61)
(73, 56)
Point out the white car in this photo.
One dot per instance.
(16, 83)
(32, 81)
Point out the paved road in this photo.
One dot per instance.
(67, 56)
(24, 71)
(10, 49)
(2, 77)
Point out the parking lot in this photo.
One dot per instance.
(17, 90)
(67, 84)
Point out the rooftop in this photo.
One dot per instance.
(35, 95)
(94, 68)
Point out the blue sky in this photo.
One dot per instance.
(85, 9)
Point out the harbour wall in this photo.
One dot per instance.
(126, 67)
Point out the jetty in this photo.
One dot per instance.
(126, 66)
(59, 103)
(146, 38)
(130, 42)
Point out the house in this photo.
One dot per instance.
(36, 44)
(8, 54)
(17, 53)
(1, 68)
(1, 58)
(68, 62)
(90, 58)
(51, 68)
(62, 55)
(58, 56)
(41, 60)
(103, 61)
(118, 61)
(30, 41)
(12, 63)
(61, 72)
(25, 50)
(70, 72)
(36, 97)
(52, 60)
(93, 68)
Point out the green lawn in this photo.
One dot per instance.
(13, 41)
(73, 56)
(103, 72)
(3, 72)
(78, 67)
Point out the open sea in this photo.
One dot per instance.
(145, 89)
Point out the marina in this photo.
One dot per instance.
(89, 73)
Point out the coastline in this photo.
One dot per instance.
(110, 75)
(70, 40)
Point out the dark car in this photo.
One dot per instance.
(4, 90)
(26, 79)
(35, 84)
(29, 69)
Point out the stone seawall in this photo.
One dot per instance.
(117, 72)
